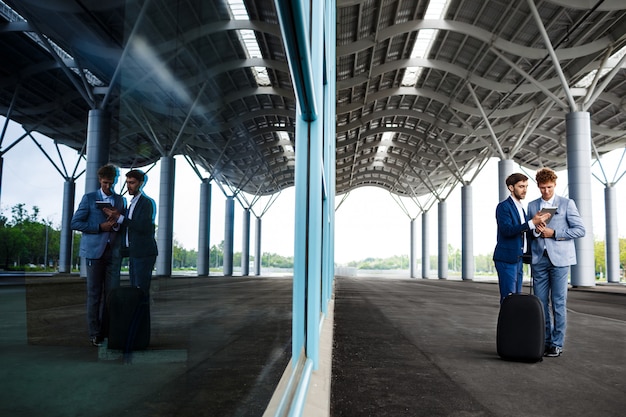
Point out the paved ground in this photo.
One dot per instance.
(219, 346)
(427, 348)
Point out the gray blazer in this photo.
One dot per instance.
(568, 226)
(87, 218)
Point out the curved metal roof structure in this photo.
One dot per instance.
(179, 78)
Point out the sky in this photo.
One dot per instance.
(369, 223)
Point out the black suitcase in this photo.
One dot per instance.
(521, 328)
(129, 319)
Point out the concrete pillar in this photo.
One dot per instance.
(467, 233)
(425, 251)
(245, 243)
(98, 133)
(578, 127)
(65, 248)
(442, 255)
(612, 239)
(229, 229)
(97, 150)
(257, 248)
(165, 231)
(412, 260)
(204, 229)
(505, 168)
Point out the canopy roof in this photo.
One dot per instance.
(208, 81)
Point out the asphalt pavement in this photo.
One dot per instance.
(415, 347)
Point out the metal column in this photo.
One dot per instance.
(165, 231)
(505, 168)
(65, 248)
(204, 229)
(257, 248)
(245, 244)
(98, 132)
(412, 249)
(467, 233)
(578, 128)
(229, 230)
(442, 257)
(612, 239)
(425, 251)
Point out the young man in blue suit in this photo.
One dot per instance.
(512, 242)
(553, 251)
(100, 245)
(138, 224)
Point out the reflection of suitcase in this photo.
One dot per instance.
(521, 328)
(129, 319)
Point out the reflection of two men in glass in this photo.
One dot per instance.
(110, 231)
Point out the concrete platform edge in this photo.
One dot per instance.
(318, 398)
(317, 403)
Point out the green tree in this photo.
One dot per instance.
(12, 242)
(178, 255)
(183, 258)
(51, 244)
(275, 260)
(454, 258)
(600, 257)
(216, 255)
(192, 259)
(25, 239)
(484, 263)
(32, 250)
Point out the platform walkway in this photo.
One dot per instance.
(400, 347)
(427, 348)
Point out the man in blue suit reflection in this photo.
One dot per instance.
(512, 242)
(100, 246)
(138, 231)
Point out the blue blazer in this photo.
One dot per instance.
(141, 228)
(510, 243)
(568, 226)
(87, 219)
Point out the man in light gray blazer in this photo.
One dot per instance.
(100, 245)
(553, 251)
